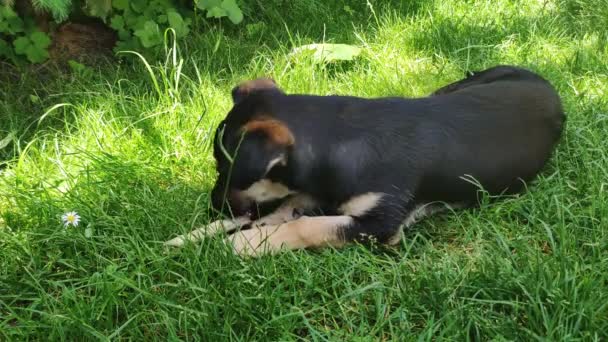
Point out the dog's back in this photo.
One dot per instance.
(500, 128)
(494, 74)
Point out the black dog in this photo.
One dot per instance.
(349, 169)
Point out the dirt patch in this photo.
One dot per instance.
(82, 42)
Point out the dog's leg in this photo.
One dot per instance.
(312, 232)
(208, 230)
(371, 216)
(288, 211)
(305, 232)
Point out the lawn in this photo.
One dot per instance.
(129, 149)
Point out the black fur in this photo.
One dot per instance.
(498, 126)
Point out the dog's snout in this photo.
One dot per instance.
(233, 203)
(239, 204)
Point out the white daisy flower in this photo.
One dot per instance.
(71, 218)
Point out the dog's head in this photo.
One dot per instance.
(249, 146)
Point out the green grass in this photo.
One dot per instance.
(134, 161)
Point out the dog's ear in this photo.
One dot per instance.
(276, 131)
(244, 89)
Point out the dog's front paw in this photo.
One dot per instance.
(211, 229)
(176, 242)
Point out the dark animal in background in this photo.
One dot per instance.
(346, 169)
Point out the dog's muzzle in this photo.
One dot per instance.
(234, 203)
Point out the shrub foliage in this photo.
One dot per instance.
(26, 29)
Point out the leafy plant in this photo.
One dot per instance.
(33, 46)
(27, 40)
(140, 24)
(10, 23)
(221, 8)
(98, 8)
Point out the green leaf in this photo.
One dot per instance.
(161, 4)
(6, 50)
(7, 12)
(34, 98)
(15, 25)
(36, 54)
(9, 21)
(330, 52)
(4, 47)
(99, 8)
(208, 4)
(151, 12)
(216, 12)
(21, 44)
(140, 22)
(127, 44)
(139, 6)
(75, 66)
(120, 4)
(149, 35)
(7, 140)
(117, 22)
(40, 39)
(131, 18)
(124, 35)
(178, 24)
(234, 12)
(6, 15)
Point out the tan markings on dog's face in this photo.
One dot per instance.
(305, 232)
(360, 204)
(265, 190)
(275, 130)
